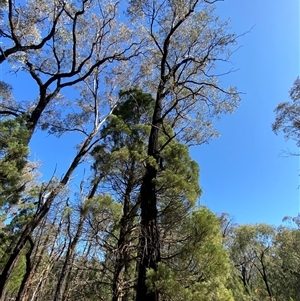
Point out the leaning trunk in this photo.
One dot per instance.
(30, 227)
(17, 251)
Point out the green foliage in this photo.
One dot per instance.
(287, 270)
(128, 126)
(124, 136)
(102, 204)
(178, 57)
(179, 175)
(251, 252)
(265, 262)
(122, 157)
(196, 265)
(13, 153)
(287, 115)
(19, 271)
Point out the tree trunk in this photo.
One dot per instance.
(29, 228)
(122, 257)
(17, 251)
(149, 238)
(62, 285)
(22, 291)
(61, 292)
(264, 274)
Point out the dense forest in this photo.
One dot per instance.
(134, 83)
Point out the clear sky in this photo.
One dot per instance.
(241, 173)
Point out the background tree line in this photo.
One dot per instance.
(144, 87)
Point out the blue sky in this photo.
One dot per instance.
(243, 172)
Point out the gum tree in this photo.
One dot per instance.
(182, 43)
(186, 42)
(54, 45)
(287, 118)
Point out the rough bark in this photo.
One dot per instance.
(149, 238)
(120, 291)
(27, 276)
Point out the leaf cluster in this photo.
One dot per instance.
(13, 157)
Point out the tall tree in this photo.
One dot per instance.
(127, 132)
(54, 44)
(123, 152)
(287, 259)
(182, 42)
(185, 41)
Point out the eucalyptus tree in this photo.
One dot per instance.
(47, 248)
(55, 45)
(68, 246)
(185, 41)
(71, 49)
(287, 259)
(87, 235)
(71, 53)
(74, 236)
(287, 118)
(253, 254)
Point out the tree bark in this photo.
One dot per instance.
(149, 238)
(28, 273)
(14, 257)
(122, 255)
